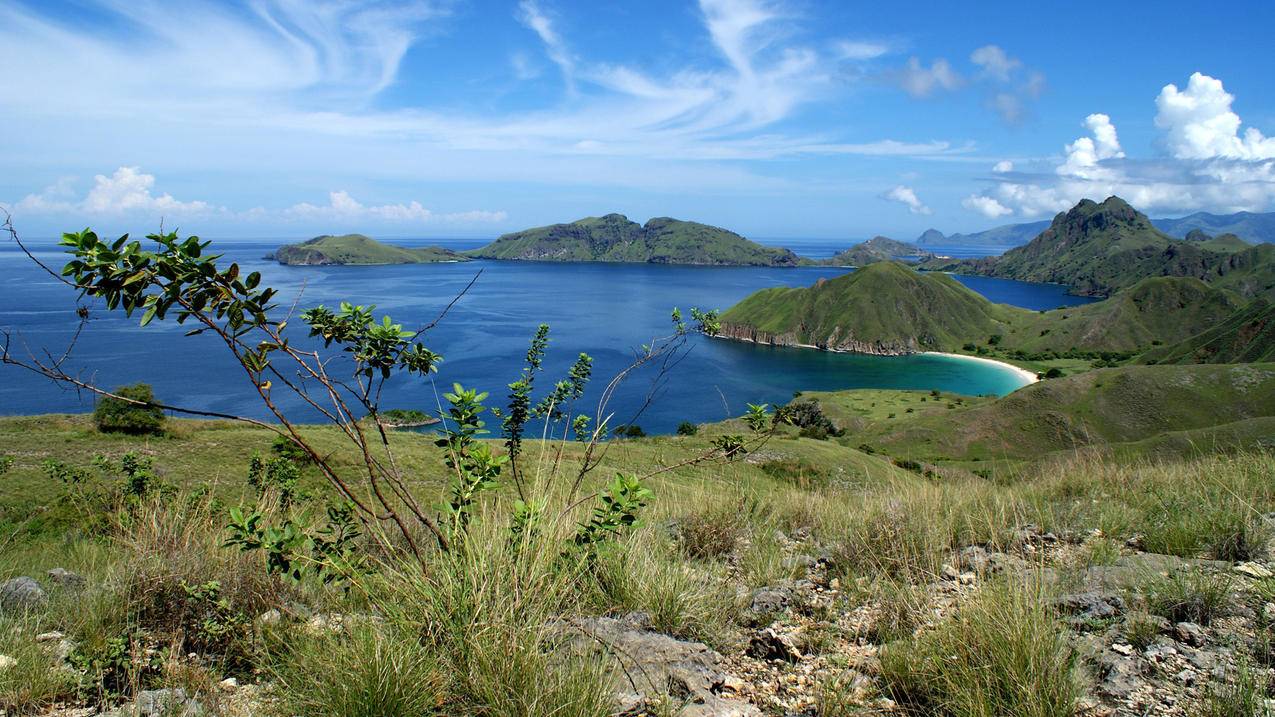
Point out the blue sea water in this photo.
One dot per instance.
(606, 310)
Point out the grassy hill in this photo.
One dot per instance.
(615, 238)
(875, 250)
(884, 308)
(1247, 335)
(889, 308)
(1104, 407)
(358, 249)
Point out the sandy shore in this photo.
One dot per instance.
(1028, 376)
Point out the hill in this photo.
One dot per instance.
(1104, 407)
(353, 249)
(884, 308)
(1245, 336)
(875, 250)
(615, 238)
(1249, 226)
(887, 308)
(1098, 249)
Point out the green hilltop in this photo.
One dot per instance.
(352, 249)
(888, 308)
(616, 238)
(1098, 249)
(1245, 336)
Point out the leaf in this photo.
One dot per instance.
(150, 314)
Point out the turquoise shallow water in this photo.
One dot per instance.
(606, 310)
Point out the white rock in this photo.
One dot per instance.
(229, 684)
(1123, 649)
(1253, 570)
(6, 662)
(50, 636)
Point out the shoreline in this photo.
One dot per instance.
(1027, 375)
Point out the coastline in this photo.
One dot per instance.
(1029, 376)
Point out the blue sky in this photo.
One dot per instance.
(776, 118)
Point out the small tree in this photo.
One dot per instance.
(130, 410)
(686, 428)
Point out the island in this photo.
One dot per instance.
(616, 238)
(878, 249)
(358, 249)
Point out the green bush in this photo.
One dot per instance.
(686, 428)
(116, 415)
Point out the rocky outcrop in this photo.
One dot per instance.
(835, 343)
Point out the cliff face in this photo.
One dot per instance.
(835, 342)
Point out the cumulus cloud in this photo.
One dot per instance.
(906, 196)
(1002, 167)
(920, 81)
(127, 191)
(986, 206)
(1210, 164)
(1199, 123)
(342, 207)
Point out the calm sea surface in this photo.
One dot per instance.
(606, 310)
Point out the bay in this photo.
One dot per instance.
(606, 310)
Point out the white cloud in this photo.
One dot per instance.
(861, 49)
(342, 207)
(1200, 124)
(531, 15)
(986, 206)
(907, 197)
(921, 81)
(995, 63)
(127, 191)
(1210, 165)
(1002, 167)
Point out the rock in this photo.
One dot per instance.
(949, 573)
(769, 600)
(655, 666)
(1253, 570)
(1186, 676)
(20, 594)
(974, 559)
(63, 578)
(796, 563)
(50, 636)
(229, 684)
(168, 702)
(1120, 676)
(1123, 649)
(771, 645)
(269, 618)
(1268, 612)
(7, 662)
(967, 578)
(1189, 633)
(1091, 605)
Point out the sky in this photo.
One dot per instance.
(774, 118)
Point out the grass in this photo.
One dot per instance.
(1190, 596)
(1002, 654)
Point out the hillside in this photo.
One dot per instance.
(875, 250)
(1247, 335)
(1104, 407)
(1249, 226)
(615, 238)
(887, 308)
(1098, 249)
(352, 249)
(884, 308)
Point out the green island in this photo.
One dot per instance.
(615, 238)
(875, 250)
(357, 249)
(919, 553)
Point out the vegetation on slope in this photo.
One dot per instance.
(1098, 249)
(358, 249)
(614, 238)
(1246, 336)
(888, 308)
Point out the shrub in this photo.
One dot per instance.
(630, 431)
(1054, 372)
(686, 428)
(810, 418)
(1003, 654)
(116, 415)
(285, 447)
(1140, 630)
(711, 534)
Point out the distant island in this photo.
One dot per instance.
(616, 238)
(877, 249)
(357, 249)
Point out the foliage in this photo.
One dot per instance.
(1190, 596)
(808, 416)
(616, 512)
(130, 410)
(686, 428)
(275, 476)
(292, 549)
